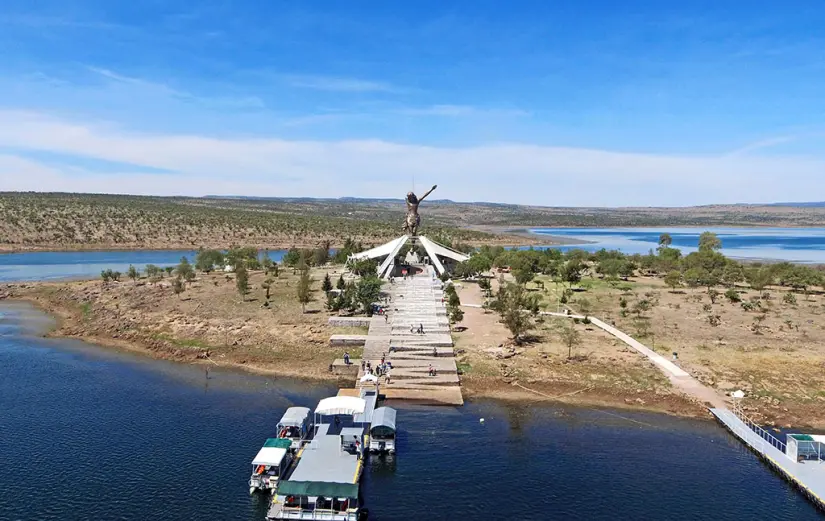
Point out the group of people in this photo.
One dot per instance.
(419, 330)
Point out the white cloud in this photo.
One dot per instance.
(507, 172)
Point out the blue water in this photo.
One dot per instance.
(792, 244)
(88, 264)
(92, 433)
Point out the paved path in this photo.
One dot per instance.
(416, 301)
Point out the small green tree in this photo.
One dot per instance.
(523, 275)
(178, 286)
(665, 240)
(673, 279)
(304, 290)
(367, 291)
(341, 284)
(116, 276)
(169, 270)
(709, 241)
(733, 296)
(185, 270)
(132, 272)
(571, 337)
(267, 285)
(517, 308)
(153, 272)
(713, 294)
(326, 285)
(106, 275)
(242, 281)
(207, 260)
(456, 315)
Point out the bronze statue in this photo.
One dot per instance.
(413, 219)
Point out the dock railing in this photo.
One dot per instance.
(762, 433)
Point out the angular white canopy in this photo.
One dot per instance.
(340, 405)
(369, 378)
(269, 456)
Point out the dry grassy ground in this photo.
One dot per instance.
(209, 322)
(601, 371)
(774, 352)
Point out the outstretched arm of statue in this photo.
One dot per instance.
(428, 193)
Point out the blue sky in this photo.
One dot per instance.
(583, 103)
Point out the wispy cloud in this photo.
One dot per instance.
(339, 84)
(458, 111)
(223, 102)
(763, 143)
(506, 172)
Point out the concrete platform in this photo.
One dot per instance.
(341, 369)
(349, 321)
(347, 340)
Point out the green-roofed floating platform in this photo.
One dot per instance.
(325, 482)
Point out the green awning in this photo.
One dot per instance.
(278, 443)
(801, 437)
(318, 488)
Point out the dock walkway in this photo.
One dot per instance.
(808, 476)
(415, 301)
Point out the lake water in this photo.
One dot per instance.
(793, 244)
(51, 265)
(92, 433)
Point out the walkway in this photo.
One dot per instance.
(416, 301)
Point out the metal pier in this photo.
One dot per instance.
(807, 476)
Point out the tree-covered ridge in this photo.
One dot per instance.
(38, 220)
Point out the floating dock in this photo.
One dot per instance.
(808, 475)
(325, 484)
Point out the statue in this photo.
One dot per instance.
(413, 219)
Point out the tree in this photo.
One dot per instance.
(341, 284)
(326, 285)
(185, 270)
(169, 270)
(673, 279)
(178, 286)
(132, 272)
(709, 241)
(571, 271)
(363, 267)
(732, 273)
(106, 275)
(116, 276)
(153, 272)
(207, 260)
(456, 315)
(523, 275)
(304, 290)
(516, 307)
(758, 278)
(480, 263)
(713, 294)
(267, 285)
(242, 281)
(665, 240)
(571, 338)
(367, 292)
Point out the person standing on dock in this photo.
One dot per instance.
(346, 358)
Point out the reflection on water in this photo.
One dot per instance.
(794, 244)
(90, 433)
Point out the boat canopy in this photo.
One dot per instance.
(383, 421)
(294, 417)
(272, 453)
(341, 405)
(318, 489)
(369, 378)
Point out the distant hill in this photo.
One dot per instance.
(801, 205)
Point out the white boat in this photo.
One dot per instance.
(296, 426)
(270, 465)
(382, 430)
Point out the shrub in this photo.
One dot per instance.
(733, 296)
(789, 298)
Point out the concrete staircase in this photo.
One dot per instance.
(416, 301)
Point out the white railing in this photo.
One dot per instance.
(757, 429)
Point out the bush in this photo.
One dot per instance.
(733, 296)
(789, 298)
